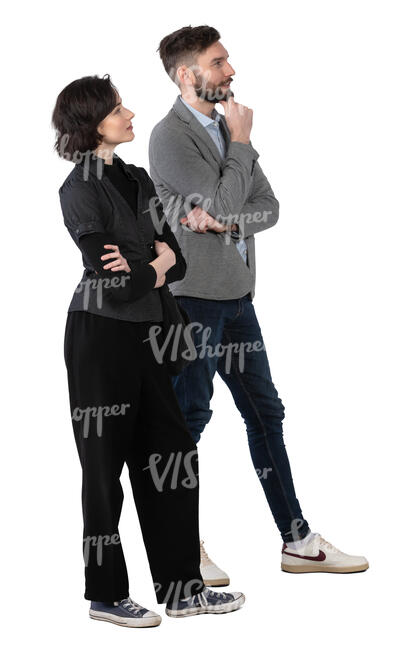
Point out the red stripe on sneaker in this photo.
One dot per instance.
(317, 558)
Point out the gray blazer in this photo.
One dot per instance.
(187, 170)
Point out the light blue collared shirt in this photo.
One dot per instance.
(211, 124)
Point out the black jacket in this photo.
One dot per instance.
(92, 204)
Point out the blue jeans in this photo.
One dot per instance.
(228, 340)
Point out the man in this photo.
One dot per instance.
(204, 166)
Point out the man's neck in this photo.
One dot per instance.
(201, 105)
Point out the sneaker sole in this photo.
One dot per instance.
(127, 622)
(219, 582)
(209, 609)
(291, 568)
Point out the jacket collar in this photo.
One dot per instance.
(187, 116)
(93, 164)
(203, 119)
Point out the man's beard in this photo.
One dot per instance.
(211, 93)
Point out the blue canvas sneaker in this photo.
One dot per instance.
(126, 613)
(206, 602)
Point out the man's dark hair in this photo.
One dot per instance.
(79, 108)
(181, 47)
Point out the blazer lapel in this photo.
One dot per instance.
(199, 130)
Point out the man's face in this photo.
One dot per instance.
(213, 74)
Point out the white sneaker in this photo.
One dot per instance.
(321, 556)
(212, 575)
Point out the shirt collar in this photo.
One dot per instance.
(203, 119)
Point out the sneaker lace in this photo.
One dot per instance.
(328, 545)
(131, 606)
(204, 555)
(217, 594)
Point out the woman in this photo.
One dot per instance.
(123, 406)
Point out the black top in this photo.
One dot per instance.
(107, 204)
(128, 187)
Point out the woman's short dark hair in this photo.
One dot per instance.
(79, 109)
(182, 46)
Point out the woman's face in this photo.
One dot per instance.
(117, 127)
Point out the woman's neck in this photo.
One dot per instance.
(105, 153)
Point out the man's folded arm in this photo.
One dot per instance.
(237, 196)
(181, 167)
(261, 211)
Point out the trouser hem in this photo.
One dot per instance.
(168, 595)
(102, 598)
(301, 534)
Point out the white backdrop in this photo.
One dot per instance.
(320, 76)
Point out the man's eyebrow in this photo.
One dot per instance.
(218, 58)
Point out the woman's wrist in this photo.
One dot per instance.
(164, 262)
(170, 257)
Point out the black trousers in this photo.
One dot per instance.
(124, 409)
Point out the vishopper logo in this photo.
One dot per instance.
(262, 472)
(173, 337)
(179, 206)
(178, 467)
(176, 590)
(171, 213)
(243, 219)
(97, 285)
(205, 90)
(176, 208)
(98, 542)
(232, 351)
(78, 157)
(98, 412)
(296, 525)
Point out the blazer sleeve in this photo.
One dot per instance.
(261, 209)
(82, 216)
(80, 208)
(179, 163)
(227, 195)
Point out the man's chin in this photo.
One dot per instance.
(220, 94)
(225, 96)
(220, 97)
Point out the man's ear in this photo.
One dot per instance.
(181, 75)
(185, 75)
